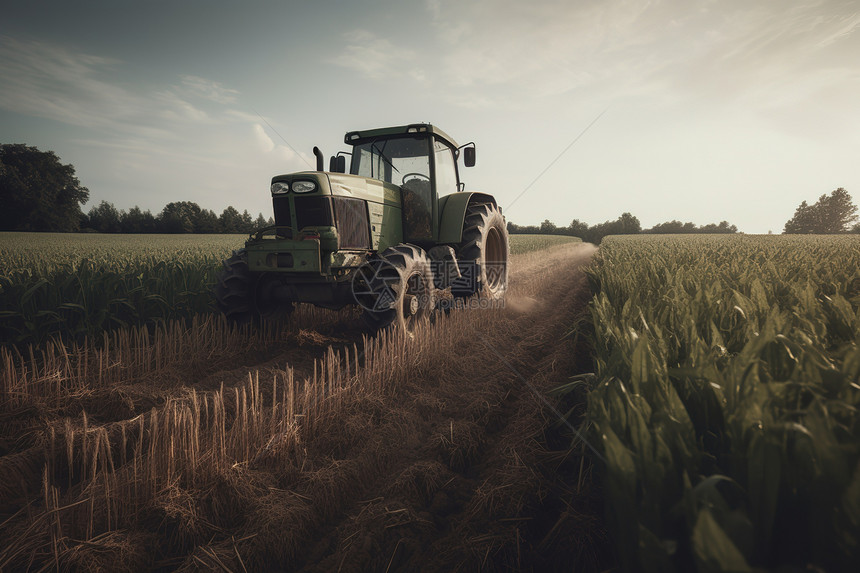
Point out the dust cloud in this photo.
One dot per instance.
(522, 304)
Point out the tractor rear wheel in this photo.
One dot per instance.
(245, 297)
(396, 288)
(483, 254)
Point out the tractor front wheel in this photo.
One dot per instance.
(245, 297)
(396, 288)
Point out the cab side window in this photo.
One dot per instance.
(446, 169)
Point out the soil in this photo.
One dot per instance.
(463, 464)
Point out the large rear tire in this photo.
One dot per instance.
(396, 288)
(243, 297)
(483, 254)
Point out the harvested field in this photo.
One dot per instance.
(311, 447)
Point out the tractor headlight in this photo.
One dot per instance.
(280, 188)
(304, 186)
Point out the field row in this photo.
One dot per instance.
(81, 285)
(726, 400)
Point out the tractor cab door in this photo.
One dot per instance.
(420, 193)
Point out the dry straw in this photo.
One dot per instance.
(111, 477)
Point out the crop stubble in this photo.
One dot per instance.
(310, 448)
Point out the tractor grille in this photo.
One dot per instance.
(282, 212)
(313, 212)
(352, 224)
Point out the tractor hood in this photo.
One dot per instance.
(357, 209)
(325, 183)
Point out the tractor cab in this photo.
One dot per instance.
(422, 160)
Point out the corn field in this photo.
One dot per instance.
(725, 401)
(78, 286)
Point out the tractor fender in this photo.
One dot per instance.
(453, 209)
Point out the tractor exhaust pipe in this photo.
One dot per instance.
(320, 158)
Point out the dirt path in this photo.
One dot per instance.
(475, 483)
(453, 462)
(463, 475)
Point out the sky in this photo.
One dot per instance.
(695, 110)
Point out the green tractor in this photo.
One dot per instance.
(397, 235)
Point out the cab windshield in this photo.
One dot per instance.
(392, 160)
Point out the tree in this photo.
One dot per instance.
(207, 222)
(179, 217)
(724, 228)
(137, 221)
(230, 221)
(247, 222)
(803, 220)
(577, 228)
(37, 192)
(677, 227)
(548, 227)
(104, 218)
(261, 222)
(515, 229)
(832, 213)
(669, 227)
(628, 225)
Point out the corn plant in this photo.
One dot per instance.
(77, 286)
(728, 382)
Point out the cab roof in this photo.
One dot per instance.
(356, 137)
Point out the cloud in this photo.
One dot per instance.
(242, 116)
(44, 80)
(207, 89)
(372, 56)
(666, 50)
(265, 142)
(55, 82)
(174, 108)
(276, 151)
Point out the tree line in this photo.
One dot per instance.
(39, 193)
(176, 217)
(626, 224)
(834, 213)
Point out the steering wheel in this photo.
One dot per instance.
(416, 175)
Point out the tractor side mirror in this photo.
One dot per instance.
(337, 164)
(469, 156)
